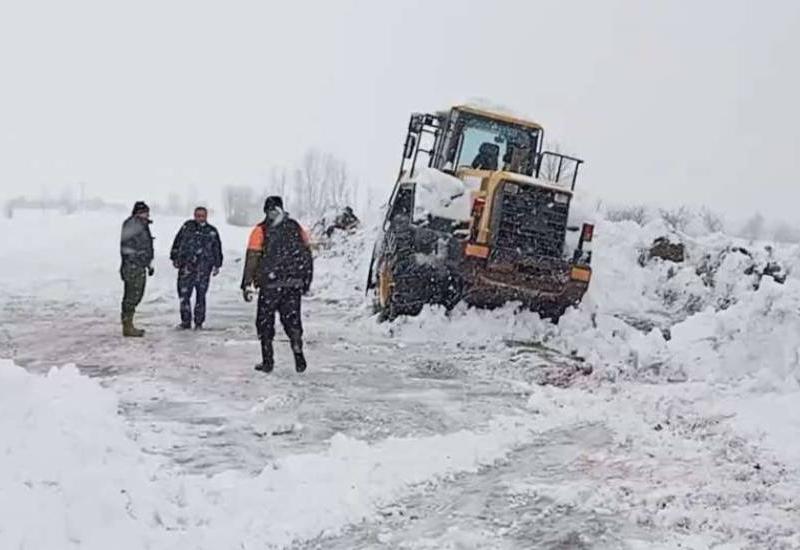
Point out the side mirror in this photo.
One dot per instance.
(411, 145)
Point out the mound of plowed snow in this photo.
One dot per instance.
(71, 477)
(715, 316)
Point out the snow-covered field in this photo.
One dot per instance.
(661, 414)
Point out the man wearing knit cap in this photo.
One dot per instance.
(136, 250)
(280, 265)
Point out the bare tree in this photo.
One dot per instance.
(309, 183)
(636, 213)
(554, 168)
(548, 170)
(174, 205)
(754, 227)
(712, 222)
(341, 189)
(677, 219)
(192, 198)
(241, 205)
(321, 182)
(279, 185)
(786, 233)
(68, 200)
(370, 198)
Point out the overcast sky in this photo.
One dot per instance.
(668, 102)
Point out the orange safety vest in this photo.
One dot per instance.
(256, 240)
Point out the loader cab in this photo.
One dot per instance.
(487, 141)
(466, 137)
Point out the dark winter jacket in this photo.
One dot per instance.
(278, 255)
(487, 158)
(346, 221)
(136, 242)
(197, 247)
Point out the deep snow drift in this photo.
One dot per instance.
(714, 318)
(695, 374)
(71, 477)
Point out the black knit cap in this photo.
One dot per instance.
(273, 202)
(140, 207)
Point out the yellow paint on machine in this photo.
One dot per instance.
(477, 250)
(580, 274)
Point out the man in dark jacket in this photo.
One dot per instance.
(487, 157)
(280, 265)
(196, 254)
(136, 250)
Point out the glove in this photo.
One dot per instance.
(247, 294)
(215, 272)
(151, 270)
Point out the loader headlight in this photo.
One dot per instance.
(580, 274)
(587, 233)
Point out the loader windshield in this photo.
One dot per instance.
(487, 144)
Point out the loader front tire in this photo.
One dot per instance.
(397, 293)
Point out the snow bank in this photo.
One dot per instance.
(303, 496)
(780, 415)
(341, 267)
(759, 336)
(656, 469)
(70, 477)
(712, 317)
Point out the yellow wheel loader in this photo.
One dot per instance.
(479, 213)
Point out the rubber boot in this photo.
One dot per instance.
(299, 359)
(129, 330)
(267, 358)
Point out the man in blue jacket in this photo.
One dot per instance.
(197, 255)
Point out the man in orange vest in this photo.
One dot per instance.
(280, 265)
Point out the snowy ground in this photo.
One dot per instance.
(475, 430)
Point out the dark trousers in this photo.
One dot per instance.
(134, 279)
(286, 302)
(193, 281)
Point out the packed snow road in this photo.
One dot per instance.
(197, 392)
(435, 432)
(194, 398)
